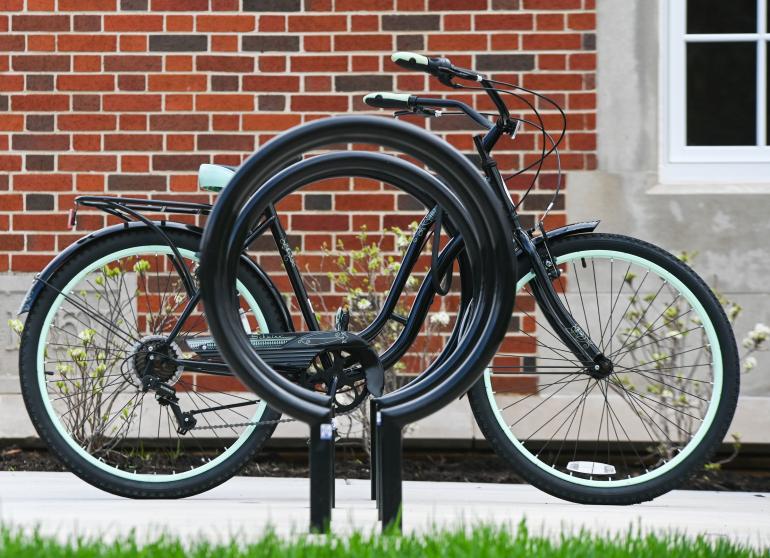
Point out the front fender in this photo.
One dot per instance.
(54, 265)
(568, 230)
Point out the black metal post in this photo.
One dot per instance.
(378, 459)
(373, 445)
(332, 466)
(321, 476)
(390, 473)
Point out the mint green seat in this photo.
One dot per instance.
(214, 178)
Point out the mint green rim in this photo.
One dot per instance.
(716, 393)
(143, 477)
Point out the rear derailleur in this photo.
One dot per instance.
(165, 395)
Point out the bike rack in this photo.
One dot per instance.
(471, 208)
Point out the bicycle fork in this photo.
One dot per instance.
(559, 318)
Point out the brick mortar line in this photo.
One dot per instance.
(314, 33)
(301, 13)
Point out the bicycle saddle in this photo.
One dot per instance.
(214, 178)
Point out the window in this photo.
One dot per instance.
(715, 116)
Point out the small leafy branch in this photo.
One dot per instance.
(88, 371)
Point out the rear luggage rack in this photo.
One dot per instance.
(126, 208)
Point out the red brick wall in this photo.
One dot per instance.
(129, 96)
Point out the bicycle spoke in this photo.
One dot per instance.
(540, 404)
(92, 371)
(582, 302)
(639, 397)
(596, 291)
(580, 407)
(672, 386)
(540, 388)
(570, 417)
(614, 305)
(633, 345)
(643, 315)
(548, 421)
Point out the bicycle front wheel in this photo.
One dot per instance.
(101, 379)
(641, 430)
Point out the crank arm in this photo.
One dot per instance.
(185, 421)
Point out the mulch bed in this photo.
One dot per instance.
(425, 466)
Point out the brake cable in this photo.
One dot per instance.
(540, 96)
(545, 151)
(420, 111)
(546, 138)
(543, 154)
(554, 148)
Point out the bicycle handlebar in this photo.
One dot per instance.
(386, 100)
(411, 61)
(445, 71)
(439, 67)
(418, 105)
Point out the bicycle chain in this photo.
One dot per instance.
(263, 423)
(260, 423)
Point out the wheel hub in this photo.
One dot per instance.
(601, 369)
(153, 355)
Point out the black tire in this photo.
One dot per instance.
(481, 396)
(33, 398)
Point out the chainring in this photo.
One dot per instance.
(349, 375)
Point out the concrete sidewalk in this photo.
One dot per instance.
(62, 505)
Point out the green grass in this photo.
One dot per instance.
(481, 542)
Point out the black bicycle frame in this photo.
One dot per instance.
(129, 209)
(555, 312)
(542, 267)
(557, 315)
(423, 299)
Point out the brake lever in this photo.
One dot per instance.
(446, 78)
(419, 111)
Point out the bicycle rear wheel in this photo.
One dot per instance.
(657, 418)
(96, 331)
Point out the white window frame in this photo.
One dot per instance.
(680, 163)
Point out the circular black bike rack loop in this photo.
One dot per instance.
(488, 246)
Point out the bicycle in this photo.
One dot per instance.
(648, 351)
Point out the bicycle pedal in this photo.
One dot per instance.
(342, 318)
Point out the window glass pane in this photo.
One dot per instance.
(721, 93)
(721, 16)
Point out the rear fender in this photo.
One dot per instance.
(54, 265)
